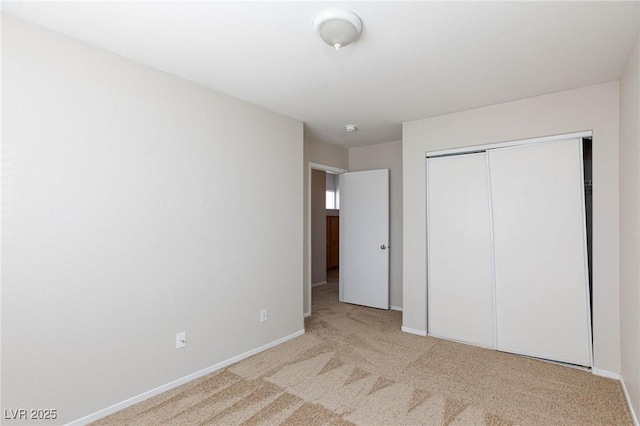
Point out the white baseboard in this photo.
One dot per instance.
(605, 373)
(626, 396)
(618, 377)
(395, 308)
(160, 389)
(318, 283)
(413, 331)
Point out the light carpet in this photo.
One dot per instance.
(355, 366)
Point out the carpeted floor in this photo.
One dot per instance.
(355, 366)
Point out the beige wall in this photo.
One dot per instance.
(132, 211)
(630, 226)
(328, 155)
(387, 156)
(592, 108)
(318, 227)
(331, 181)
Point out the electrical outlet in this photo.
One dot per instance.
(263, 315)
(181, 339)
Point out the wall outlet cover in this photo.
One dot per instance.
(181, 339)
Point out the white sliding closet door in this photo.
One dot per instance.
(460, 288)
(540, 251)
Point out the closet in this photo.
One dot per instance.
(507, 257)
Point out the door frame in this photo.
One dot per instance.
(508, 144)
(324, 168)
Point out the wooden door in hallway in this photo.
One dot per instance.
(333, 241)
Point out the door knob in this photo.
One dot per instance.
(383, 247)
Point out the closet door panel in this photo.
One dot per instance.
(541, 285)
(460, 282)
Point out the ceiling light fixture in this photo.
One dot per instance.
(337, 27)
(350, 127)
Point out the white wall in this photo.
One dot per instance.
(387, 156)
(132, 211)
(630, 226)
(318, 227)
(592, 108)
(328, 155)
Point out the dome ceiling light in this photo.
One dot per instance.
(337, 27)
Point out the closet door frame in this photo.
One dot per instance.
(485, 148)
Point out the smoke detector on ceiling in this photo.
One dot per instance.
(350, 127)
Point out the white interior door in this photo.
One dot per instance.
(364, 238)
(542, 295)
(460, 268)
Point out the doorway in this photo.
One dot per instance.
(318, 237)
(332, 228)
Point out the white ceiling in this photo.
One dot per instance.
(413, 59)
